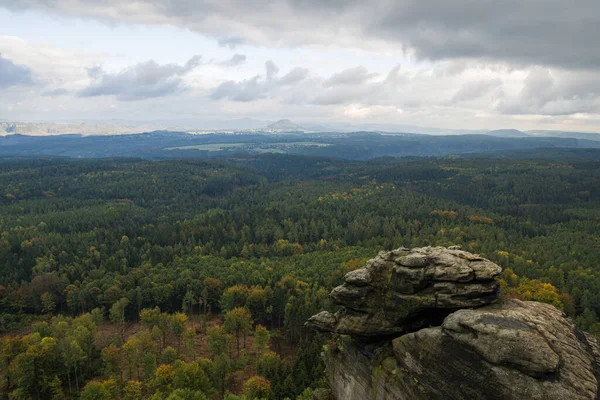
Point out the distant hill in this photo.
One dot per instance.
(508, 133)
(553, 153)
(350, 146)
(68, 128)
(285, 125)
(566, 134)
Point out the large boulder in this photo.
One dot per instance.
(510, 349)
(403, 290)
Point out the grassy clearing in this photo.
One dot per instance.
(259, 147)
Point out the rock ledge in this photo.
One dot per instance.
(420, 324)
(403, 290)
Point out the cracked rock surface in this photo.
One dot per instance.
(511, 350)
(402, 290)
(420, 324)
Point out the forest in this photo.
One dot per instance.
(346, 145)
(192, 279)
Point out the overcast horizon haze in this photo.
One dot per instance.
(460, 65)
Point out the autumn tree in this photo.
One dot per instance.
(133, 391)
(112, 358)
(256, 387)
(239, 322)
(178, 322)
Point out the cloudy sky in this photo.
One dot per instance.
(470, 64)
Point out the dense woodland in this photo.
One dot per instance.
(188, 279)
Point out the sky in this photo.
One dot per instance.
(461, 64)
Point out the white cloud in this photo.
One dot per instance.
(551, 33)
(144, 80)
(453, 71)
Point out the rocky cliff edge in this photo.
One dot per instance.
(427, 323)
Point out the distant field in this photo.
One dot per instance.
(210, 147)
(300, 144)
(260, 147)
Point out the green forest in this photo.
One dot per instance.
(192, 279)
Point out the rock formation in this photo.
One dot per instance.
(420, 324)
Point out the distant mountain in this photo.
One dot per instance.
(285, 125)
(566, 134)
(508, 133)
(68, 128)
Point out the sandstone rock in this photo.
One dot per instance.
(513, 350)
(403, 290)
(423, 327)
(356, 371)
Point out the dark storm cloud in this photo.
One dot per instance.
(144, 80)
(12, 74)
(530, 32)
(547, 32)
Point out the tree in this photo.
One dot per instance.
(261, 340)
(268, 365)
(48, 303)
(190, 376)
(188, 305)
(148, 366)
(238, 321)
(220, 370)
(10, 348)
(189, 338)
(153, 317)
(234, 296)
(183, 394)
(131, 355)
(117, 314)
(112, 358)
(169, 355)
(97, 316)
(214, 289)
(132, 391)
(217, 340)
(178, 322)
(164, 376)
(257, 303)
(157, 335)
(95, 390)
(84, 336)
(256, 387)
(56, 389)
(72, 355)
